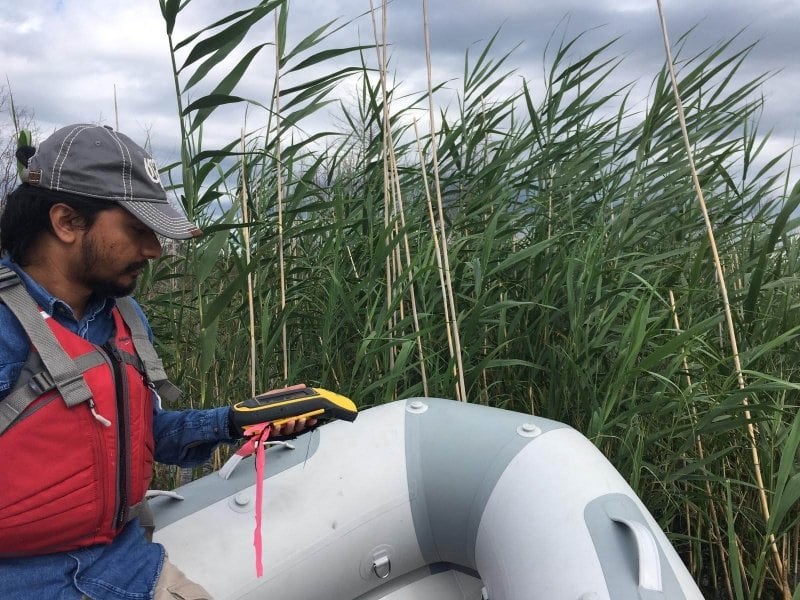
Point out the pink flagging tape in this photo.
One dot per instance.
(261, 456)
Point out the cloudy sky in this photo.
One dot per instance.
(63, 59)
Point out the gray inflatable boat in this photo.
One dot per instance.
(426, 499)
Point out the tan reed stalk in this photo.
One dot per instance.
(393, 192)
(461, 389)
(116, 109)
(387, 186)
(550, 205)
(785, 550)
(397, 263)
(796, 547)
(397, 270)
(796, 550)
(484, 376)
(380, 50)
(715, 529)
(392, 177)
(398, 196)
(247, 255)
(688, 517)
(279, 193)
(738, 282)
(216, 457)
(745, 582)
(352, 262)
(779, 566)
(435, 235)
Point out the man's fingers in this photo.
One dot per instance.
(291, 427)
(294, 426)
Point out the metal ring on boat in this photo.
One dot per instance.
(379, 563)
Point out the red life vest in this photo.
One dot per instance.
(67, 480)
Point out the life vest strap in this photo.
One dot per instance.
(131, 359)
(35, 381)
(153, 366)
(65, 374)
(11, 408)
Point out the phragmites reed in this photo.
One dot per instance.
(452, 313)
(276, 111)
(715, 528)
(511, 250)
(726, 305)
(251, 313)
(392, 190)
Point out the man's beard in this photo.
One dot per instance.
(90, 259)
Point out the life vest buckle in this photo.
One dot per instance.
(41, 382)
(74, 390)
(8, 278)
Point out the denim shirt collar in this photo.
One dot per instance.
(55, 306)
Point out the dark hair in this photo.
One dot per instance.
(26, 216)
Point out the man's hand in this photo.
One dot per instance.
(286, 430)
(291, 429)
(255, 411)
(290, 410)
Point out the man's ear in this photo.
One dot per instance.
(67, 224)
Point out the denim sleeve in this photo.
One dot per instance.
(8, 377)
(14, 350)
(188, 437)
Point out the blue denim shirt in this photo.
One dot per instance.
(128, 567)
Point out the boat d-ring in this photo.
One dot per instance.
(377, 563)
(382, 567)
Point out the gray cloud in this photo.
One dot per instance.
(67, 73)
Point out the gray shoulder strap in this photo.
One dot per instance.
(153, 366)
(33, 381)
(62, 369)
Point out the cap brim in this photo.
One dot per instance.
(162, 218)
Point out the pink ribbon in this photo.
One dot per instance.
(258, 435)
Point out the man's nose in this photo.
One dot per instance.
(151, 247)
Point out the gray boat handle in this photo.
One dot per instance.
(167, 493)
(646, 549)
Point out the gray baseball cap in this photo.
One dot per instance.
(98, 162)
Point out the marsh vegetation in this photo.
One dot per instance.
(537, 246)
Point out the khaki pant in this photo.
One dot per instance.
(172, 584)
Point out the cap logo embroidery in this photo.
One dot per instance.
(151, 169)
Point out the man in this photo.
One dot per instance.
(80, 414)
